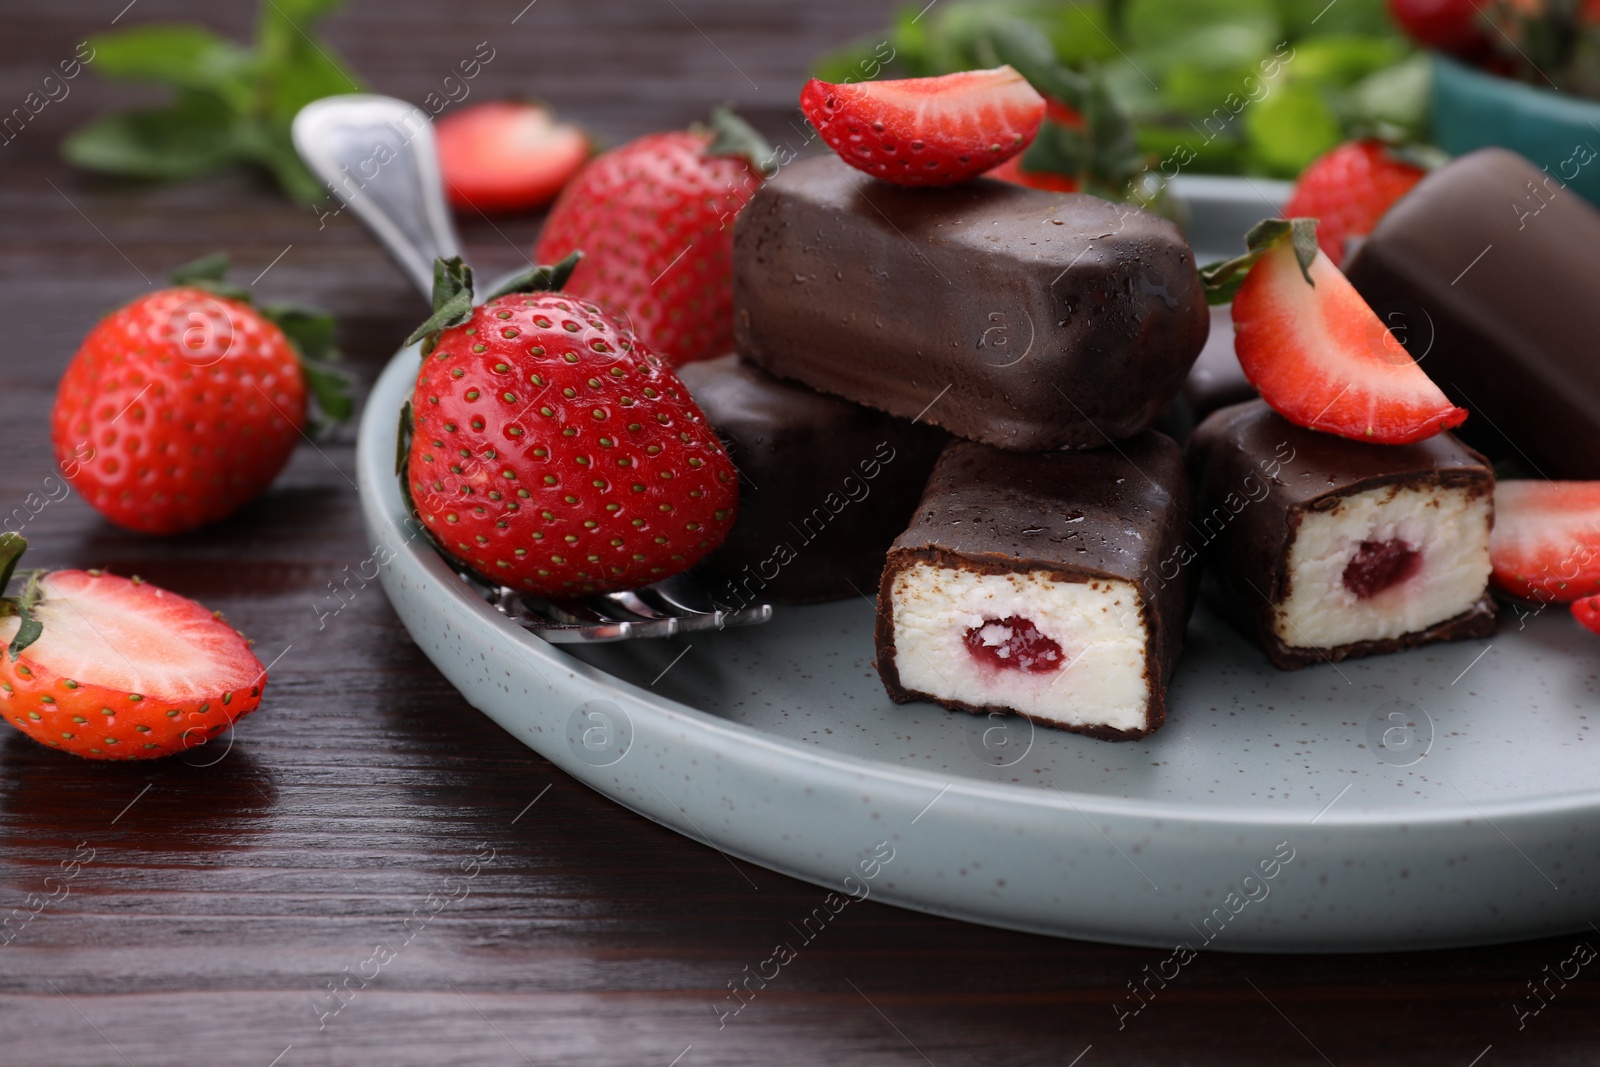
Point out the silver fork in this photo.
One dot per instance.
(377, 155)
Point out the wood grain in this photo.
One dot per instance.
(222, 900)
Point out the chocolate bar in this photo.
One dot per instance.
(1024, 319)
(1215, 381)
(1326, 548)
(825, 485)
(1032, 584)
(1490, 264)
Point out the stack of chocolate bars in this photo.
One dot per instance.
(1017, 344)
(946, 394)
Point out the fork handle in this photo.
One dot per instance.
(378, 155)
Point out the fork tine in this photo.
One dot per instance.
(678, 605)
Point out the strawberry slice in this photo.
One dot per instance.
(507, 156)
(927, 131)
(1587, 612)
(115, 668)
(1314, 349)
(1546, 539)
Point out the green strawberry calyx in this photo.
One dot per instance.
(453, 298)
(310, 334)
(1222, 280)
(12, 546)
(733, 136)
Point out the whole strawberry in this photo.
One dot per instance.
(1348, 190)
(182, 406)
(654, 221)
(551, 450)
(115, 668)
(1459, 27)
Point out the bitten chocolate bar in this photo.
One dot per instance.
(1020, 318)
(1031, 584)
(825, 485)
(1492, 266)
(1325, 548)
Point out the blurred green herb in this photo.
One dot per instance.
(1218, 86)
(231, 104)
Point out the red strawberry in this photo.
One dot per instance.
(552, 450)
(507, 156)
(1587, 612)
(113, 668)
(1348, 190)
(1454, 26)
(654, 221)
(1317, 353)
(1011, 171)
(181, 407)
(927, 131)
(1546, 539)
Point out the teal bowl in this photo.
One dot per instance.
(1557, 131)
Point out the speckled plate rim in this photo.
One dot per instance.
(819, 815)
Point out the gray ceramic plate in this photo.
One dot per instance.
(1445, 796)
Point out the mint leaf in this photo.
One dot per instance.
(194, 136)
(1290, 128)
(234, 104)
(180, 55)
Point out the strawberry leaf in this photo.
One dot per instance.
(402, 447)
(733, 136)
(12, 546)
(330, 391)
(1222, 279)
(30, 629)
(210, 273)
(542, 279)
(452, 301)
(310, 332)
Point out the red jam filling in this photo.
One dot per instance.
(1013, 644)
(1380, 565)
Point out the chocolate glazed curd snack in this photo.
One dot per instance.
(1032, 584)
(1024, 319)
(825, 485)
(1500, 261)
(1325, 548)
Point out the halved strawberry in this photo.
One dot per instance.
(1049, 180)
(115, 668)
(927, 131)
(1314, 349)
(507, 155)
(1546, 540)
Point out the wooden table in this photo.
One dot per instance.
(224, 901)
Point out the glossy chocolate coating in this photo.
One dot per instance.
(1504, 267)
(830, 481)
(1109, 513)
(1256, 476)
(1215, 381)
(1020, 318)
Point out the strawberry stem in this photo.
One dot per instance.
(12, 546)
(31, 627)
(1222, 280)
(452, 301)
(733, 136)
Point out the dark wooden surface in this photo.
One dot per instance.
(222, 900)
